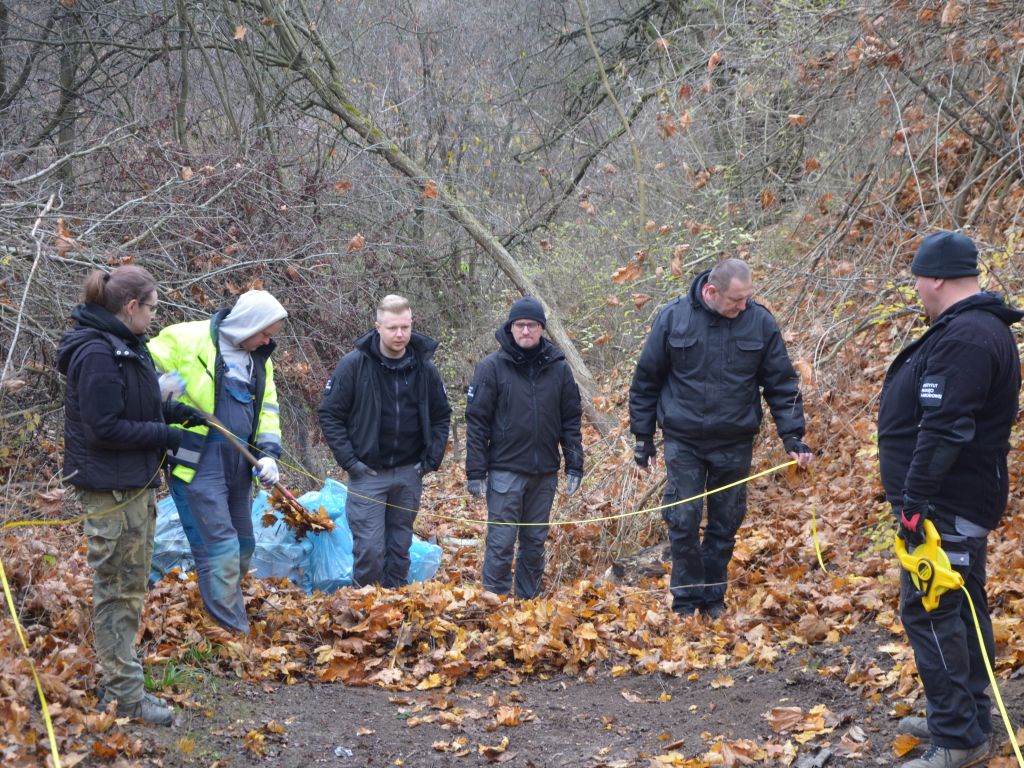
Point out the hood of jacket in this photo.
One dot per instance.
(547, 352)
(92, 322)
(369, 344)
(985, 301)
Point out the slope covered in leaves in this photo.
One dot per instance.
(433, 635)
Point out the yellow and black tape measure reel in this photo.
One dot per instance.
(929, 567)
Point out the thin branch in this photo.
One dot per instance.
(38, 237)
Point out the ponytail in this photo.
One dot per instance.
(112, 290)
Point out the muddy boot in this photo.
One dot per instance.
(915, 726)
(149, 709)
(945, 757)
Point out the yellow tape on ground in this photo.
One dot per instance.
(981, 645)
(39, 686)
(992, 680)
(587, 520)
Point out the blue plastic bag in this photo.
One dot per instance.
(278, 555)
(170, 547)
(328, 560)
(425, 559)
(321, 561)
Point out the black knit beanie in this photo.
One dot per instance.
(527, 308)
(946, 255)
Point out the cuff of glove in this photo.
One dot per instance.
(910, 505)
(174, 437)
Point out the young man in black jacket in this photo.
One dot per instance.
(523, 403)
(699, 377)
(947, 406)
(385, 415)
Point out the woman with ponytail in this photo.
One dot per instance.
(115, 436)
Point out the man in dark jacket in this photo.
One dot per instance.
(523, 403)
(947, 406)
(699, 377)
(385, 415)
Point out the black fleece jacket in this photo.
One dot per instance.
(947, 406)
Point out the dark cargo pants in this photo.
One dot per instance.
(518, 499)
(700, 568)
(120, 552)
(381, 510)
(946, 648)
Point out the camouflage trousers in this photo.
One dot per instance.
(120, 553)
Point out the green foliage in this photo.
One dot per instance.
(188, 673)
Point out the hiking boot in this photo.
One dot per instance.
(915, 726)
(945, 757)
(149, 709)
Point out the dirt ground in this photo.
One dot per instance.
(602, 721)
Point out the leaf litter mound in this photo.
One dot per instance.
(430, 636)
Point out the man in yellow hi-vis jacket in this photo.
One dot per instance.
(222, 366)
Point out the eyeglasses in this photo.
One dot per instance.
(526, 327)
(150, 307)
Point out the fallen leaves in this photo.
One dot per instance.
(802, 726)
(903, 744)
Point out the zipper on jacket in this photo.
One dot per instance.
(536, 421)
(398, 420)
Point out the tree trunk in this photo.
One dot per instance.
(294, 46)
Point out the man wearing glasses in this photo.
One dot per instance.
(709, 357)
(523, 403)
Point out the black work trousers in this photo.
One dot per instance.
(946, 647)
(700, 567)
(518, 506)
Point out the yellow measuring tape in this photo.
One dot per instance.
(39, 686)
(933, 575)
(586, 521)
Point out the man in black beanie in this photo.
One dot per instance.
(523, 403)
(947, 406)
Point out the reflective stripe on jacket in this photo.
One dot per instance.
(192, 350)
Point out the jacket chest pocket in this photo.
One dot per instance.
(504, 410)
(683, 352)
(746, 355)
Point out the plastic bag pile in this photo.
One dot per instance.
(321, 561)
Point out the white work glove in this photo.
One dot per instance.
(172, 386)
(267, 471)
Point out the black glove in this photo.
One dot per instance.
(644, 450)
(572, 482)
(194, 418)
(796, 445)
(477, 486)
(176, 412)
(359, 470)
(912, 514)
